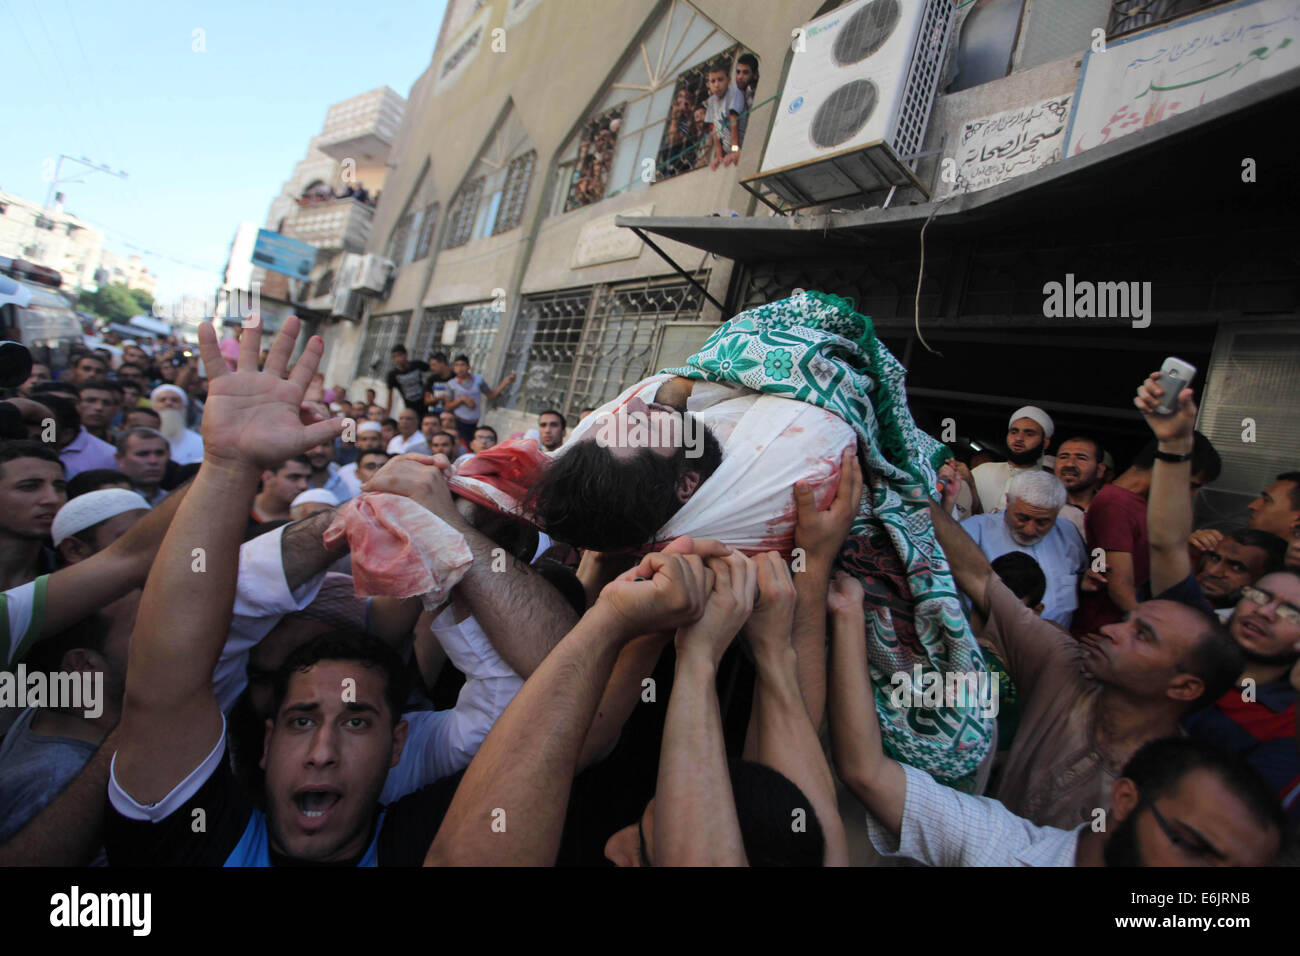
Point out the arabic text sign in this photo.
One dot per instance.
(993, 149)
(1159, 74)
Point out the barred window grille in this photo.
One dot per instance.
(545, 347)
(580, 348)
(476, 334)
(1129, 15)
(463, 210)
(519, 175)
(382, 334)
(428, 338)
(426, 230)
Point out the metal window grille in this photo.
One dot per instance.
(581, 347)
(545, 347)
(1129, 15)
(463, 210)
(476, 334)
(519, 175)
(426, 230)
(383, 332)
(429, 337)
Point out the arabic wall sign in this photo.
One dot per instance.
(993, 149)
(1160, 73)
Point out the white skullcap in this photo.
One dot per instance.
(86, 511)
(315, 496)
(1038, 415)
(161, 389)
(369, 426)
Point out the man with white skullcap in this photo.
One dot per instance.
(91, 522)
(311, 501)
(170, 403)
(344, 483)
(1028, 431)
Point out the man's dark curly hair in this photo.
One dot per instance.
(590, 499)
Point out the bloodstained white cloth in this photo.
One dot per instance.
(399, 548)
(768, 444)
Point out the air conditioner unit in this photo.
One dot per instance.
(374, 274)
(855, 105)
(347, 306)
(344, 299)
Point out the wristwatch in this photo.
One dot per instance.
(1172, 458)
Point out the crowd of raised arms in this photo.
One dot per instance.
(253, 621)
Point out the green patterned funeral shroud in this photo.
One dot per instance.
(815, 348)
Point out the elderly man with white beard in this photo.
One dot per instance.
(170, 403)
(1031, 525)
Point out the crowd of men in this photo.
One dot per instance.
(206, 638)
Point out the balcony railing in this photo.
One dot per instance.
(1129, 15)
(334, 224)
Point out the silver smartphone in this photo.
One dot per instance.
(1175, 375)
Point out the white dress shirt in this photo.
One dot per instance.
(944, 827)
(441, 742)
(405, 446)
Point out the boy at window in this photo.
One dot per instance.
(723, 110)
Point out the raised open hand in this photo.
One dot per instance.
(252, 419)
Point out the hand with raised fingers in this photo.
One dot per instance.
(252, 419)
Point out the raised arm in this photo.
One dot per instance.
(820, 535)
(1169, 504)
(784, 736)
(523, 771)
(970, 567)
(500, 600)
(495, 393)
(860, 760)
(695, 810)
(170, 716)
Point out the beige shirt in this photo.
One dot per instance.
(1055, 775)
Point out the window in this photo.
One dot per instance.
(383, 332)
(629, 125)
(519, 175)
(581, 347)
(1129, 15)
(426, 230)
(464, 208)
(403, 242)
(471, 326)
(497, 191)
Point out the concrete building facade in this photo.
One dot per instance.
(542, 133)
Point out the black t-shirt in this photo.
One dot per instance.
(411, 384)
(233, 831)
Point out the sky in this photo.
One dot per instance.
(208, 126)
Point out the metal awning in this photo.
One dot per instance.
(1167, 164)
